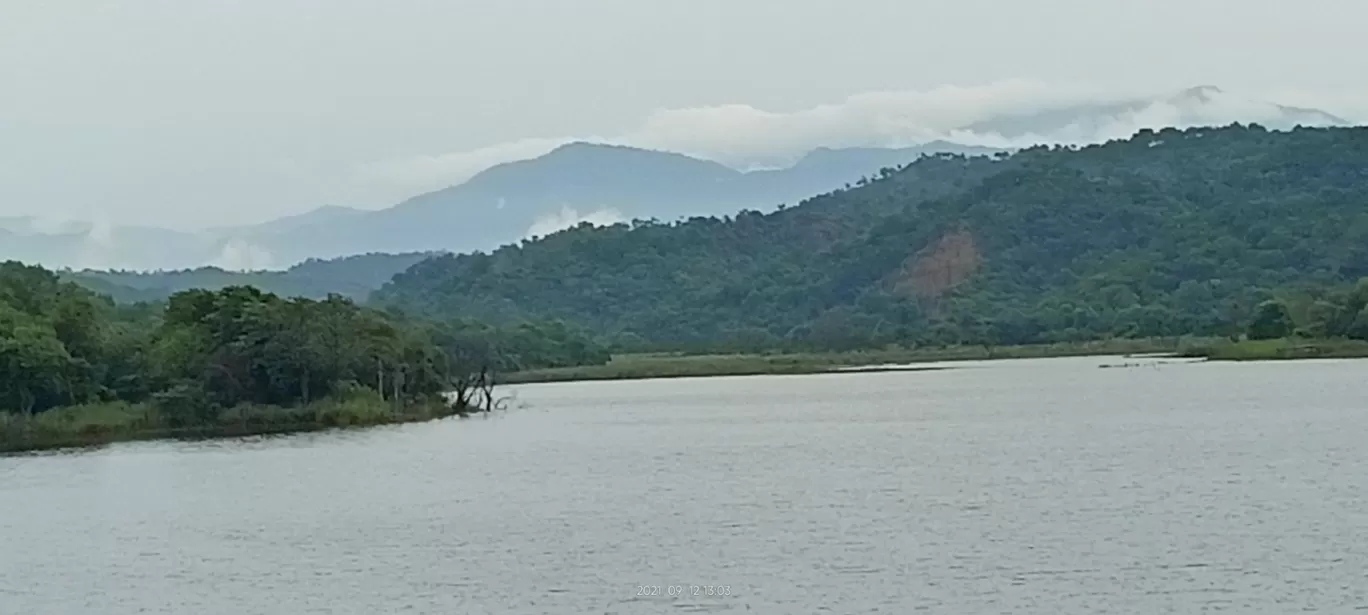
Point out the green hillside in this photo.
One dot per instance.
(1167, 233)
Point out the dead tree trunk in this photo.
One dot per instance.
(380, 377)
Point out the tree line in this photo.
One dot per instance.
(1316, 314)
(202, 353)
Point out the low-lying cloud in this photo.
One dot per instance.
(568, 217)
(741, 135)
(242, 255)
(745, 137)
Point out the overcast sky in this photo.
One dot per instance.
(211, 112)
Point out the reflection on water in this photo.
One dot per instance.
(1023, 487)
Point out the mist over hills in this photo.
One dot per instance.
(584, 181)
(1174, 232)
(575, 182)
(87, 244)
(603, 183)
(353, 277)
(1197, 106)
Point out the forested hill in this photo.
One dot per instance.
(1169, 232)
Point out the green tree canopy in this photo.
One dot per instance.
(1171, 232)
(1271, 321)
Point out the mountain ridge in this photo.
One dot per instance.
(353, 277)
(589, 181)
(499, 205)
(1166, 233)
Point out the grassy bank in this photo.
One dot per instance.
(646, 366)
(105, 423)
(1280, 350)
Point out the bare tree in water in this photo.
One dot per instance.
(472, 367)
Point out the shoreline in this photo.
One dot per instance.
(677, 365)
(38, 435)
(1281, 350)
(94, 426)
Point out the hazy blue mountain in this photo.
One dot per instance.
(496, 207)
(598, 183)
(352, 276)
(327, 214)
(83, 244)
(604, 182)
(500, 205)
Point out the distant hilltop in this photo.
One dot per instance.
(596, 183)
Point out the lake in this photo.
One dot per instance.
(1045, 486)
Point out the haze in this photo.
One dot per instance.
(212, 113)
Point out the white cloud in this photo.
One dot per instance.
(744, 136)
(101, 233)
(35, 225)
(568, 217)
(1351, 105)
(239, 255)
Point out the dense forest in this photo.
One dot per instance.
(354, 277)
(238, 355)
(1230, 232)
(1168, 233)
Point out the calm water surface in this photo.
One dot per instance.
(1015, 487)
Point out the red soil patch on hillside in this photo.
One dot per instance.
(939, 267)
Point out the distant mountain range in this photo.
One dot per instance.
(598, 183)
(578, 181)
(354, 277)
(1169, 233)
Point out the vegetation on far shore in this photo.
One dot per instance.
(1326, 325)
(120, 421)
(645, 366)
(1281, 349)
(677, 365)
